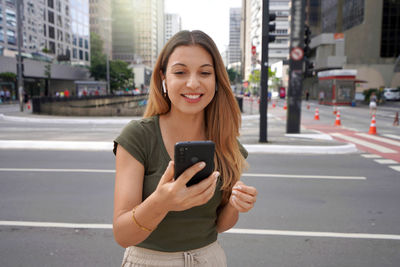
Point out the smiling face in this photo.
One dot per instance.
(190, 79)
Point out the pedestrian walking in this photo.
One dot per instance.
(307, 95)
(321, 97)
(372, 104)
(159, 220)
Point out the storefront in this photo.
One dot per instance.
(336, 87)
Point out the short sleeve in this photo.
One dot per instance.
(132, 139)
(243, 150)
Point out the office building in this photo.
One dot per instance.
(361, 35)
(234, 53)
(101, 22)
(138, 30)
(173, 24)
(59, 27)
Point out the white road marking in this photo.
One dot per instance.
(386, 161)
(380, 139)
(313, 234)
(56, 145)
(376, 147)
(231, 231)
(295, 176)
(396, 168)
(292, 176)
(392, 136)
(371, 156)
(54, 170)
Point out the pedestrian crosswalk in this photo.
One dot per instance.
(383, 150)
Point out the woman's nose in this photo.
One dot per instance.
(192, 82)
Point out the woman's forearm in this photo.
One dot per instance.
(227, 218)
(148, 214)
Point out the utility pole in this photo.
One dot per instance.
(20, 9)
(266, 39)
(108, 75)
(296, 64)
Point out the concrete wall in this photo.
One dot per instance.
(101, 106)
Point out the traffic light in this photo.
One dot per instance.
(307, 40)
(271, 28)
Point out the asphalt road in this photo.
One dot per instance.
(342, 212)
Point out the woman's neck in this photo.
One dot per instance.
(183, 127)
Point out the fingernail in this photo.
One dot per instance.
(216, 175)
(234, 192)
(202, 164)
(237, 187)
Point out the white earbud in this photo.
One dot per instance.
(163, 87)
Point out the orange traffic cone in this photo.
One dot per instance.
(273, 104)
(396, 119)
(29, 105)
(372, 128)
(284, 105)
(334, 110)
(337, 121)
(316, 116)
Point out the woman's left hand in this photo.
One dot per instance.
(243, 197)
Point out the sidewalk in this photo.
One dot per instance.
(308, 142)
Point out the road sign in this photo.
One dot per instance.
(296, 53)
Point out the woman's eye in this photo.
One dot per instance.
(206, 73)
(178, 72)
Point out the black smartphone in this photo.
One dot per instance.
(189, 153)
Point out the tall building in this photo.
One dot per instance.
(59, 26)
(234, 53)
(101, 22)
(360, 34)
(173, 24)
(251, 36)
(137, 30)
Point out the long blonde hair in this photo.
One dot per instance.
(222, 115)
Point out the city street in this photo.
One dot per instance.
(312, 210)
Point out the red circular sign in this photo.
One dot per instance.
(297, 53)
(253, 50)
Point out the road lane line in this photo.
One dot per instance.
(291, 176)
(380, 139)
(231, 231)
(371, 156)
(297, 176)
(386, 161)
(54, 170)
(373, 146)
(393, 136)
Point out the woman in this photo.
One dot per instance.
(372, 104)
(159, 220)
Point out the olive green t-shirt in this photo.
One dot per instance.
(178, 231)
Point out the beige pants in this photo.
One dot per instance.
(211, 256)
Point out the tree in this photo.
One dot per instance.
(8, 76)
(254, 79)
(232, 73)
(121, 76)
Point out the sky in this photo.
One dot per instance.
(209, 16)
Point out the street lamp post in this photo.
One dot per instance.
(19, 59)
(108, 75)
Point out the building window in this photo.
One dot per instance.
(59, 35)
(11, 38)
(50, 3)
(11, 18)
(86, 56)
(86, 44)
(80, 42)
(1, 35)
(74, 53)
(44, 29)
(80, 54)
(51, 32)
(52, 47)
(51, 16)
(390, 40)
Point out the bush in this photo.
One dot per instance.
(378, 93)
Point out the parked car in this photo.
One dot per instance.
(391, 93)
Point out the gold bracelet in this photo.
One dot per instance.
(138, 224)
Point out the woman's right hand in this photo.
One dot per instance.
(176, 196)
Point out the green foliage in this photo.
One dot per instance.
(378, 92)
(8, 76)
(121, 76)
(255, 79)
(233, 75)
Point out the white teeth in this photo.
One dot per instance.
(192, 96)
